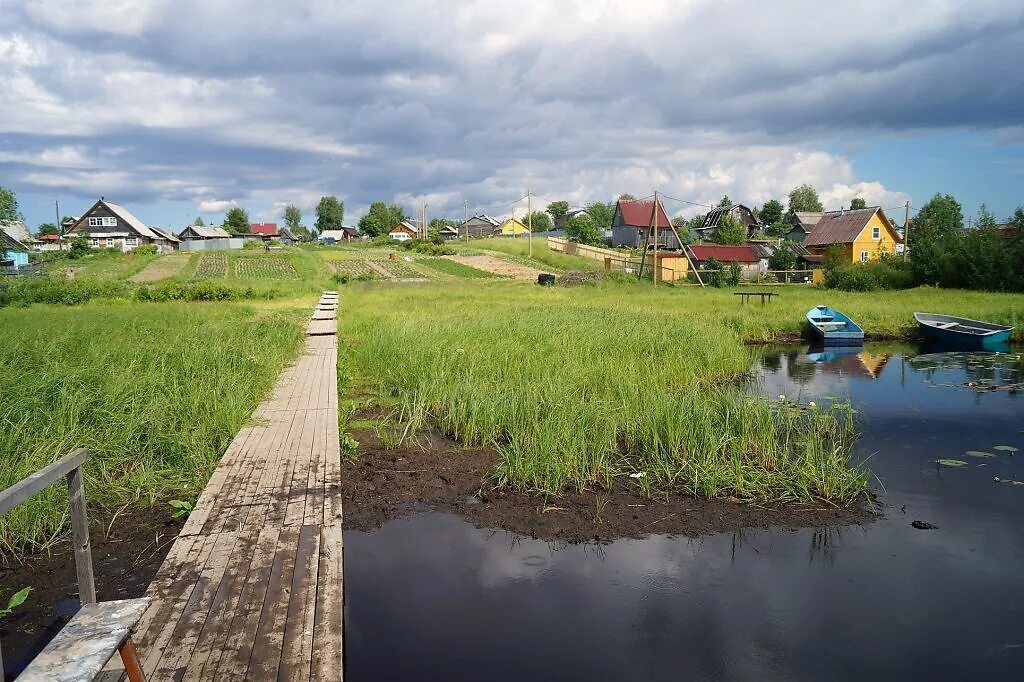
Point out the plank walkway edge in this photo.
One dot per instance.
(252, 587)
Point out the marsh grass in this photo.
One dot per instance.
(579, 388)
(154, 391)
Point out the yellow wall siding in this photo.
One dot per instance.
(513, 226)
(886, 242)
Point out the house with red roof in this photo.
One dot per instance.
(744, 254)
(265, 230)
(631, 224)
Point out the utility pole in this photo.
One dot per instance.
(654, 223)
(60, 228)
(906, 229)
(465, 216)
(425, 220)
(529, 219)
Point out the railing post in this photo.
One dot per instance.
(80, 537)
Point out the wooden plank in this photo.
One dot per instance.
(297, 649)
(80, 536)
(266, 653)
(328, 631)
(35, 483)
(83, 646)
(322, 327)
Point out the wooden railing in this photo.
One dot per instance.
(69, 468)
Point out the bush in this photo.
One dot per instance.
(886, 273)
(200, 291)
(59, 291)
(384, 240)
(430, 248)
(253, 245)
(715, 272)
(733, 274)
(146, 250)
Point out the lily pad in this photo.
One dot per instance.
(1010, 481)
(979, 453)
(951, 462)
(1005, 448)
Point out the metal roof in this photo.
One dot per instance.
(208, 231)
(741, 253)
(841, 227)
(638, 213)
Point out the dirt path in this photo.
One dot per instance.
(498, 266)
(161, 267)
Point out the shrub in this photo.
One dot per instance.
(60, 291)
(715, 272)
(886, 273)
(733, 274)
(384, 240)
(428, 247)
(146, 250)
(253, 245)
(200, 291)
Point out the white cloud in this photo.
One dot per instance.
(215, 205)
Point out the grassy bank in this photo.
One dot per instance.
(518, 250)
(155, 391)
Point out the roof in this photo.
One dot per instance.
(265, 229)
(165, 233)
(10, 242)
(288, 234)
(17, 230)
(714, 215)
(486, 219)
(638, 213)
(841, 227)
(404, 226)
(127, 216)
(807, 219)
(725, 254)
(208, 231)
(48, 238)
(449, 228)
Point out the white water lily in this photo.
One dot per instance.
(812, 404)
(782, 397)
(639, 474)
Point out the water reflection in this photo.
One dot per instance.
(433, 598)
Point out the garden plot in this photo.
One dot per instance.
(351, 268)
(212, 265)
(265, 268)
(398, 269)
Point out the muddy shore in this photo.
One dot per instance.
(125, 559)
(382, 484)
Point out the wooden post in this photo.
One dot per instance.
(607, 263)
(906, 229)
(529, 218)
(132, 665)
(654, 223)
(80, 537)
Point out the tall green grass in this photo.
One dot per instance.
(519, 249)
(155, 392)
(577, 388)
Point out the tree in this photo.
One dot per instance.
(581, 228)
(783, 258)
(292, 217)
(236, 221)
(626, 196)
(804, 199)
(198, 222)
(541, 221)
(771, 212)
(932, 238)
(601, 214)
(1017, 220)
(47, 228)
(682, 226)
(725, 202)
(330, 214)
(441, 223)
(9, 212)
(729, 231)
(557, 211)
(985, 218)
(858, 202)
(380, 219)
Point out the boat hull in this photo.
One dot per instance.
(833, 328)
(961, 332)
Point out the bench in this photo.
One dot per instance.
(82, 648)
(744, 295)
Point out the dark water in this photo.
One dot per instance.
(431, 597)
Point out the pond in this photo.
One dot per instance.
(432, 597)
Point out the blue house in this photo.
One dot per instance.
(12, 252)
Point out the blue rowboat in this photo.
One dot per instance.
(961, 332)
(834, 328)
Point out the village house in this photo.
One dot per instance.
(744, 254)
(287, 237)
(801, 223)
(631, 225)
(13, 253)
(47, 242)
(345, 234)
(864, 233)
(109, 225)
(403, 231)
(512, 227)
(264, 230)
(737, 212)
(201, 232)
(479, 226)
(449, 232)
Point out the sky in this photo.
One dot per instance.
(179, 108)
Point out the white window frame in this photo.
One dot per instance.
(110, 242)
(864, 256)
(102, 221)
(94, 242)
(876, 233)
(131, 241)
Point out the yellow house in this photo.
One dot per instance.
(511, 228)
(864, 233)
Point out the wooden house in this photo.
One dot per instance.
(403, 231)
(171, 241)
(108, 225)
(631, 224)
(512, 227)
(738, 212)
(202, 232)
(864, 233)
(673, 265)
(13, 253)
(287, 237)
(479, 226)
(449, 232)
(265, 230)
(801, 223)
(47, 242)
(744, 254)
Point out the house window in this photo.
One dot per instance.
(94, 242)
(876, 233)
(110, 242)
(131, 241)
(863, 256)
(100, 221)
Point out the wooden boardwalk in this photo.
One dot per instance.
(252, 587)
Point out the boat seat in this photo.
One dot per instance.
(830, 324)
